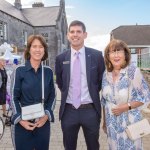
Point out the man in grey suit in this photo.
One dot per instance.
(79, 74)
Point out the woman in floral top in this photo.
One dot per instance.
(124, 90)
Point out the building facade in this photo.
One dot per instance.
(17, 23)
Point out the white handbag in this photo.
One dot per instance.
(36, 110)
(33, 111)
(138, 129)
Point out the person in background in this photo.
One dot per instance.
(79, 74)
(3, 86)
(27, 90)
(124, 90)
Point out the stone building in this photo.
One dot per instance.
(17, 23)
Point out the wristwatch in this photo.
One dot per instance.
(129, 106)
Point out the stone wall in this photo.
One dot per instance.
(55, 35)
(15, 29)
(50, 35)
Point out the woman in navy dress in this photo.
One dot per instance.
(3, 87)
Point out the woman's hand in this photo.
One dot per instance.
(41, 121)
(27, 125)
(119, 109)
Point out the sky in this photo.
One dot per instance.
(101, 16)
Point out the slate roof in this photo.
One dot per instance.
(37, 16)
(133, 34)
(11, 10)
(42, 16)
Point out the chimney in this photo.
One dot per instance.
(18, 4)
(38, 4)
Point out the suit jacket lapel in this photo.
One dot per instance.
(88, 65)
(68, 58)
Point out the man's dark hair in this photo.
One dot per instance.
(77, 23)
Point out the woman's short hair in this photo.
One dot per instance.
(31, 38)
(114, 45)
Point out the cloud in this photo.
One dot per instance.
(10, 1)
(98, 42)
(69, 16)
(26, 3)
(69, 7)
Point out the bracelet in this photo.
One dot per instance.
(129, 106)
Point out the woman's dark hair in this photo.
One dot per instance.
(77, 23)
(31, 38)
(114, 45)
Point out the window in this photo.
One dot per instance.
(133, 51)
(45, 35)
(25, 37)
(3, 31)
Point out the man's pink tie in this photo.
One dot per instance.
(76, 83)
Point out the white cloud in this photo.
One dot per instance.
(69, 7)
(69, 16)
(39, 0)
(26, 3)
(10, 1)
(98, 42)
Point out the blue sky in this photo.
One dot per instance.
(102, 16)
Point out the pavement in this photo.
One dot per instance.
(56, 139)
